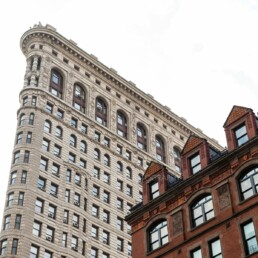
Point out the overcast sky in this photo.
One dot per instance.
(197, 57)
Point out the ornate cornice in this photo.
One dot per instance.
(49, 34)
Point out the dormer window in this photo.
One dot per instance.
(154, 189)
(241, 135)
(195, 163)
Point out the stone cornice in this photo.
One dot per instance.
(50, 34)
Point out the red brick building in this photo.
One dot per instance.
(212, 211)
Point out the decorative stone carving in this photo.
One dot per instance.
(177, 223)
(224, 196)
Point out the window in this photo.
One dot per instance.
(106, 142)
(57, 150)
(77, 179)
(140, 197)
(120, 223)
(17, 224)
(140, 162)
(83, 147)
(49, 108)
(119, 203)
(14, 246)
(95, 210)
(3, 247)
(43, 164)
(154, 189)
(128, 173)
(95, 232)
(79, 98)
(106, 196)
(21, 198)
(96, 154)
(68, 175)
(101, 112)
(72, 140)
(36, 230)
(82, 163)
(64, 239)
(119, 149)
(84, 128)
(10, 199)
(93, 252)
(25, 101)
(34, 251)
(67, 195)
(66, 216)
(76, 199)
(119, 185)
(75, 243)
(71, 157)
(129, 229)
(97, 136)
(129, 207)
(196, 253)
(76, 220)
(56, 84)
(7, 220)
(16, 157)
(160, 149)
(195, 163)
(42, 183)
(215, 248)
(45, 144)
(59, 132)
(50, 234)
(128, 155)
(39, 205)
(26, 158)
(29, 137)
(177, 158)
(55, 169)
(19, 138)
(53, 189)
(95, 191)
(106, 160)
(105, 255)
(74, 122)
(129, 249)
(52, 211)
(22, 120)
(121, 125)
(31, 119)
(105, 237)
(60, 114)
(202, 210)
(106, 216)
(48, 254)
(13, 178)
(120, 244)
(47, 126)
(119, 167)
(106, 178)
(129, 190)
(249, 183)
(140, 178)
(24, 177)
(141, 137)
(241, 135)
(250, 241)
(158, 235)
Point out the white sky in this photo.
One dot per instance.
(197, 57)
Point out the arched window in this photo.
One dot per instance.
(59, 132)
(106, 160)
(22, 119)
(73, 140)
(249, 183)
(56, 84)
(79, 98)
(119, 167)
(160, 149)
(31, 119)
(141, 137)
(121, 125)
(202, 210)
(177, 158)
(83, 146)
(96, 154)
(47, 126)
(101, 112)
(129, 173)
(158, 235)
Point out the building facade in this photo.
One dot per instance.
(85, 135)
(212, 211)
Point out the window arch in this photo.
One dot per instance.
(141, 137)
(22, 119)
(121, 124)
(96, 154)
(31, 118)
(56, 83)
(106, 160)
(119, 167)
(177, 158)
(47, 126)
(79, 97)
(249, 183)
(101, 111)
(73, 140)
(59, 132)
(83, 146)
(158, 235)
(202, 210)
(160, 149)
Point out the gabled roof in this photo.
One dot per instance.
(236, 113)
(192, 142)
(152, 169)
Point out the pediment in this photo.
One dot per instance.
(153, 168)
(192, 142)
